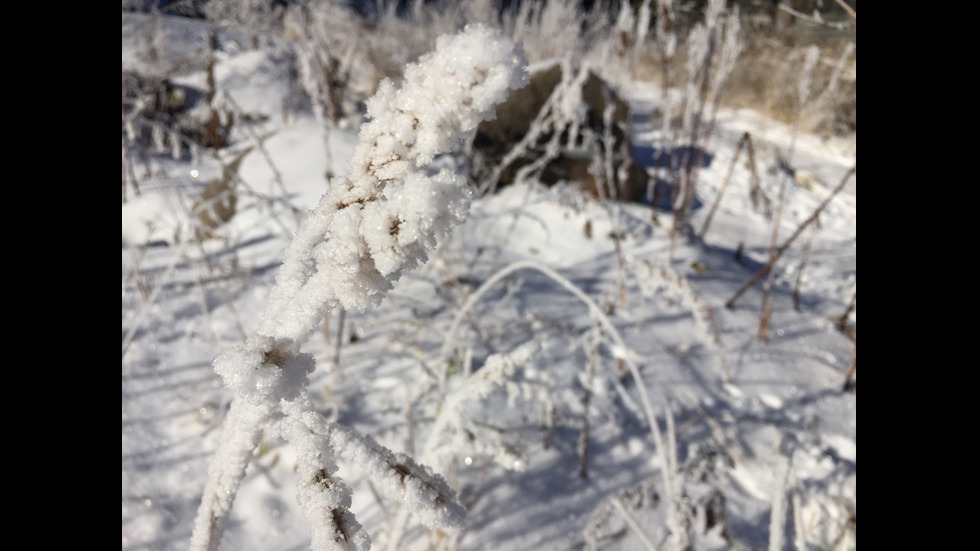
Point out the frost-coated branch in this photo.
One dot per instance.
(389, 212)
(452, 422)
(495, 373)
(369, 227)
(594, 310)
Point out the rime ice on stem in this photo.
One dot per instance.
(369, 228)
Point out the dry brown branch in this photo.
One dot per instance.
(724, 184)
(850, 11)
(782, 249)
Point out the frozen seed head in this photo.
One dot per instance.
(388, 213)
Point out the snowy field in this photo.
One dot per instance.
(522, 362)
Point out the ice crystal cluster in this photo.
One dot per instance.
(368, 229)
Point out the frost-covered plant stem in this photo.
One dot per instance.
(239, 436)
(594, 310)
(714, 47)
(777, 514)
(716, 79)
(593, 359)
(674, 483)
(450, 342)
(369, 228)
(667, 42)
(608, 191)
(633, 525)
(451, 418)
(642, 27)
(799, 528)
(448, 404)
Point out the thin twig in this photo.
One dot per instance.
(724, 184)
(631, 522)
(842, 320)
(592, 353)
(782, 249)
(145, 310)
(260, 144)
(850, 11)
(819, 20)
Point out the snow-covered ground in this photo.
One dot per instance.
(759, 438)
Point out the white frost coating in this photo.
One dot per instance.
(427, 494)
(325, 498)
(777, 514)
(368, 228)
(453, 422)
(406, 226)
(386, 215)
(264, 371)
(225, 472)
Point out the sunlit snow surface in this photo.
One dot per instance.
(743, 411)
